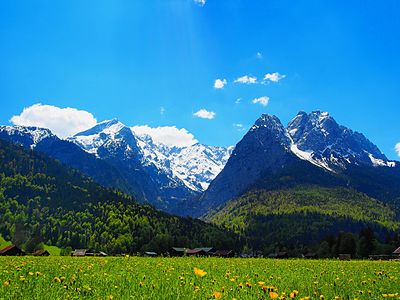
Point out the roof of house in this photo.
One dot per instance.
(194, 251)
(41, 252)
(223, 252)
(205, 249)
(177, 249)
(397, 251)
(79, 252)
(8, 248)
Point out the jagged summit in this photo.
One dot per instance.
(332, 145)
(113, 123)
(266, 120)
(28, 136)
(313, 149)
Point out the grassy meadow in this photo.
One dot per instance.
(195, 278)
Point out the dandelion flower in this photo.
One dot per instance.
(273, 295)
(199, 272)
(217, 295)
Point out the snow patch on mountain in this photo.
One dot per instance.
(104, 132)
(195, 165)
(317, 137)
(34, 134)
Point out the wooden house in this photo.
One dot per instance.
(12, 250)
(207, 250)
(177, 251)
(344, 256)
(310, 255)
(224, 253)
(79, 252)
(41, 253)
(196, 252)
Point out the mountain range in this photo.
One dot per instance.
(165, 176)
(312, 173)
(312, 149)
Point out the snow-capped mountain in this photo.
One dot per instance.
(317, 137)
(312, 150)
(194, 166)
(44, 141)
(27, 136)
(169, 176)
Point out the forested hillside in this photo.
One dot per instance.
(42, 200)
(303, 216)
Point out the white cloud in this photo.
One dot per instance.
(397, 148)
(200, 2)
(239, 126)
(162, 110)
(259, 55)
(238, 101)
(262, 101)
(220, 83)
(274, 77)
(205, 114)
(167, 135)
(63, 122)
(246, 79)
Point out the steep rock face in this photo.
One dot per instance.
(264, 150)
(331, 145)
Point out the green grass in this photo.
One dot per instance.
(4, 243)
(174, 278)
(53, 250)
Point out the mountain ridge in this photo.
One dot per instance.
(268, 149)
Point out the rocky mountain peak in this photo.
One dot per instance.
(333, 145)
(27, 136)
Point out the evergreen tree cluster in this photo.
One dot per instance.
(43, 201)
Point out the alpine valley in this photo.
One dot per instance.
(279, 186)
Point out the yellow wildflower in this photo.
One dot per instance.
(199, 272)
(273, 295)
(217, 295)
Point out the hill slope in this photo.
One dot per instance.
(42, 200)
(305, 215)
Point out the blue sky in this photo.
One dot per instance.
(155, 62)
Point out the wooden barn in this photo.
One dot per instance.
(207, 250)
(177, 251)
(196, 252)
(41, 253)
(12, 250)
(310, 255)
(224, 253)
(79, 252)
(86, 252)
